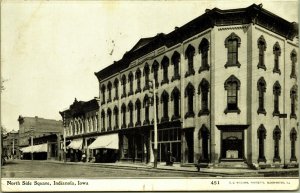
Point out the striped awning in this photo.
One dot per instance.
(75, 144)
(110, 141)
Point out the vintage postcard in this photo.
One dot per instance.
(149, 96)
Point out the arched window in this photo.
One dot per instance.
(293, 95)
(103, 94)
(124, 86)
(123, 110)
(203, 135)
(165, 101)
(261, 87)
(232, 43)
(130, 110)
(232, 85)
(175, 96)
(109, 85)
(164, 66)
(130, 80)
(189, 55)
(276, 92)
(154, 69)
(293, 137)
(116, 84)
(176, 61)
(116, 114)
(276, 52)
(276, 137)
(138, 112)
(203, 50)
(138, 80)
(294, 60)
(203, 90)
(261, 43)
(146, 104)
(103, 120)
(109, 119)
(146, 74)
(261, 135)
(189, 94)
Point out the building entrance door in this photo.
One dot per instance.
(232, 145)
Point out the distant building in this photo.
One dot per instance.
(45, 132)
(11, 144)
(226, 92)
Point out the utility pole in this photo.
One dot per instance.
(13, 149)
(65, 149)
(31, 137)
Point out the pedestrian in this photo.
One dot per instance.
(83, 158)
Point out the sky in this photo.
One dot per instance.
(51, 49)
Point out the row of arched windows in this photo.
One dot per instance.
(79, 126)
(175, 61)
(262, 133)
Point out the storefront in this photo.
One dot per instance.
(74, 150)
(39, 152)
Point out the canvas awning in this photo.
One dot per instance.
(35, 148)
(110, 141)
(75, 144)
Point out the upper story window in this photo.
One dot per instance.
(189, 55)
(276, 52)
(109, 85)
(146, 104)
(293, 137)
(138, 80)
(130, 109)
(130, 80)
(116, 84)
(175, 96)
(116, 114)
(103, 94)
(276, 137)
(103, 120)
(155, 67)
(232, 85)
(165, 100)
(138, 112)
(123, 111)
(261, 43)
(294, 60)
(189, 93)
(123, 86)
(146, 74)
(261, 87)
(176, 61)
(293, 94)
(203, 50)
(232, 43)
(108, 119)
(276, 92)
(164, 66)
(203, 90)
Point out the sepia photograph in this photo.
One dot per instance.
(149, 95)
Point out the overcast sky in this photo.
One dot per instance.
(50, 50)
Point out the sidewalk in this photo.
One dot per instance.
(239, 172)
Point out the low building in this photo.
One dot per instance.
(11, 144)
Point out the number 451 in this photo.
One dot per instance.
(215, 182)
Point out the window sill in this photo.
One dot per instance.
(263, 159)
(176, 77)
(146, 122)
(123, 126)
(109, 100)
(203, 112)
(146, 88)
(102, 103)
(108, 128)
(164, 119)
(189, 73)
(203, 68)
(130, 93)
(262, 111)
(261, 66)
(277, 71)
(138, 90)
(238, 111)
(174, 117)
(116, 127)
(293, 76)
(293, 116)
(123, 96)
(293, 159)
(276, 159)
(164, 82)
(232, 65)
(276, 113)
(130, 125)
(189, 114)
(116, 98)
(137, 124)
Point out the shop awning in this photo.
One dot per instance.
(75, 144)
(110, 141)
(35, 148)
